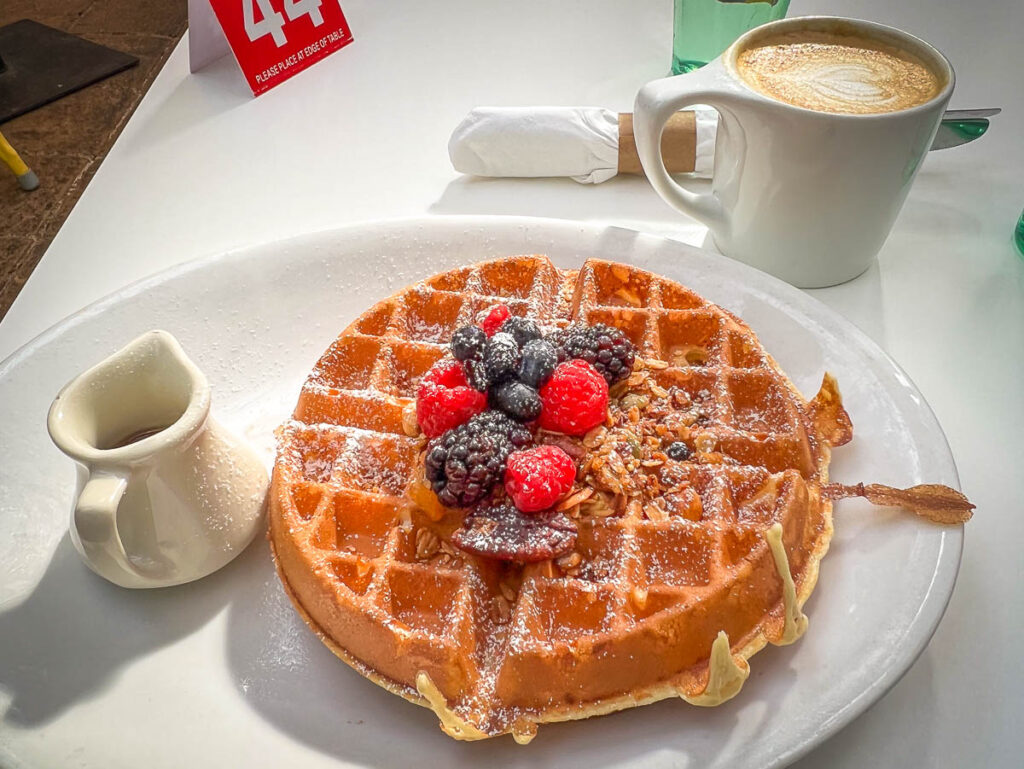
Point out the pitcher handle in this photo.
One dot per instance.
(95, 521)
(655, 103)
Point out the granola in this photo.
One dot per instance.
(624, 469)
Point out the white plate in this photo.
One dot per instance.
(223, 673)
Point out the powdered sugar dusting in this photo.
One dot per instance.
(284, 649)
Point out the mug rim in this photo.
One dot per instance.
(871, 28)
(181, 429)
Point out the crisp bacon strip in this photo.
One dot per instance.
(831, 421)
(937, 503)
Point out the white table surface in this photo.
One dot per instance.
(202, 167)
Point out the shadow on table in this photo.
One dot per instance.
(202, 96)
(293, 681)
(67, 640)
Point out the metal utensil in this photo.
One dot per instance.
(960, 126)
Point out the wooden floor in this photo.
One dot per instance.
(65, 141)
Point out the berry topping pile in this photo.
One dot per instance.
(480, 409)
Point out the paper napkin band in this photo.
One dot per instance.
(678, 144)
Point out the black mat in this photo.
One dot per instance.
(41, 64)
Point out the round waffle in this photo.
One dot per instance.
(650, 604)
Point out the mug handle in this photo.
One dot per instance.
(655, 103)
(95, 521)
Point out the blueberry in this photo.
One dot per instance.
(522, 330)
(678, 451)
(538, 363)
(517, 400)
(468, 343)
(501, 357)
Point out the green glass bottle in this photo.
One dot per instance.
(702, 29)
(1018, 234)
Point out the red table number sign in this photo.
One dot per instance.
(275, 39)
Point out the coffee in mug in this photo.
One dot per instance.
(823, 124)
(833, 72)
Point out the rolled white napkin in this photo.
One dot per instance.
(578, 142)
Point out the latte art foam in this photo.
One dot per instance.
(837, 73)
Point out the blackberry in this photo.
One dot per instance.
(538, 362)
(501, 425)
(466, 463)
(678, 451)
(468, 343)
(501, 357)
(476, 374)
(518, 400)
(557, 339)
(523, 330)
(604, 347)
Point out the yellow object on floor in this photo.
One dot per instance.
(26, 176)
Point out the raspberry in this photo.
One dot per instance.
(445, 373)
(537, 478)
(574, 400)
(445, 400)
(465, 463)
(495, 319)
(604, 347)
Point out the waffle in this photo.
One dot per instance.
(647, 606)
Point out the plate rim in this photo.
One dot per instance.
(940, 589)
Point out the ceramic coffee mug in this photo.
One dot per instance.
(807, 179)
(167, 494)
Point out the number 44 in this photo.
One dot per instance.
(272, 22)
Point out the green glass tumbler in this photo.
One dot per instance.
(702, 29)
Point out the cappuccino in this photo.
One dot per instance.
(838, 73)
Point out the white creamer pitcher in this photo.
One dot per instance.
(167, 495)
